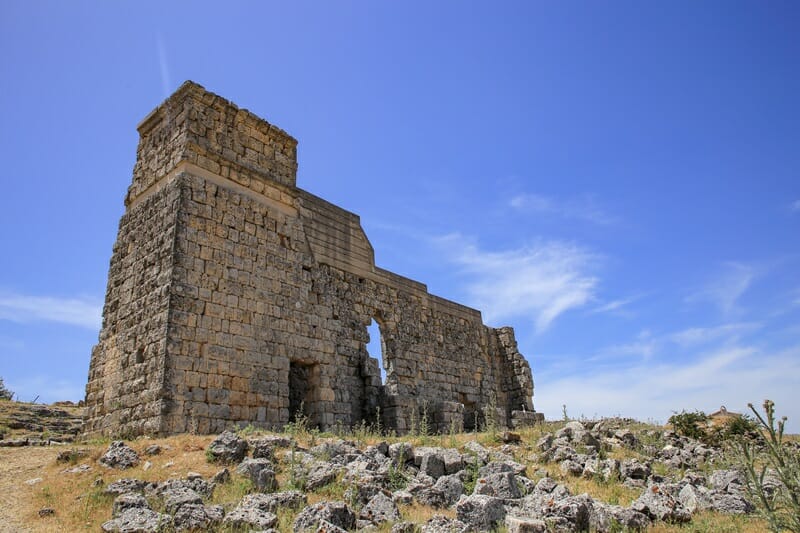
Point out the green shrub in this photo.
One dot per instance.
(778, 458)
(690, 424)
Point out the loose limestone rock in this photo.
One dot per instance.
(380, 509)
(442, 524)
(129, 500)
(138, 520)
(336, 513)
(502, 485)
(658, 504)
(193, 517)
(254, 510)
(119, 455)
(260, 472)
(121, 486)
(515, 524)
(227, 448)
(177, 497)
(480, 512)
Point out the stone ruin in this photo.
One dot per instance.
(236, 298)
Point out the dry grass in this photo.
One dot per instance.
(419, 514)
(707, 522)
(81, 506)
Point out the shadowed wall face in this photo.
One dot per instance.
(236, 298)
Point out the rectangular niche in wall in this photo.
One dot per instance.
(303, 385)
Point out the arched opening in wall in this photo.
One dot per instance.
(376, 347)
(373, 374)
(303, 382)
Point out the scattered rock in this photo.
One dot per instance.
(546, 485)
(404, 527)
(480, 512)
(604, 517)
(119, 455)
(44, 512)
(245, 516)
(694, 498)
(633, 469)
(658, 504)
(258, 510)
(260, 472)
(432, 465)
(570, 467)
(195, 516)
(177, 497)
(515, 524)
(502, 485)
(336, 513)
(442, 524)
(138, 520)
(153, 449)
(197, 484)
(401, 453)
(129, 500)
(326, 527)
(121, 486)
(731, 504)
(730, 481)
(227, 448)
(272, 502)
(402, 497)
(320, 474)
(380, 509)
(262, 449)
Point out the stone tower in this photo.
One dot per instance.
(236, 298)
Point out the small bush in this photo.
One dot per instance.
(690, 424)
(731, 431)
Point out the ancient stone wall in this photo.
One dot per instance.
(236, 298)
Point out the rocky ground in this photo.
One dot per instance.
(609, 475)
(30, 424)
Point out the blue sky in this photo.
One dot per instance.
(619, 181)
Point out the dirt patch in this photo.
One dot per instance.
(18, 465)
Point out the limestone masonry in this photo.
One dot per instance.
(236, 298)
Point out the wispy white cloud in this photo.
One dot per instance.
(81, 312)
(541, 281)
(730, 284)
(730, 375)
(582, 208)
(795, 206)
(643, 347)
(646, 345)
(615, 305)
(163, 65)
(726, 332)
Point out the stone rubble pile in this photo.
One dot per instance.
(486, 488)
